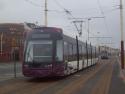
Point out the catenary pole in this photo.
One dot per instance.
(122, 37)
(1, 42)
(46, 10)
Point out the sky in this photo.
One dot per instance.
(19, 11)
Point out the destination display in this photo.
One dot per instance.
(34, 36)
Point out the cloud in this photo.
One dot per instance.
(1, 5)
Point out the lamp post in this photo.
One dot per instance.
(122, 39)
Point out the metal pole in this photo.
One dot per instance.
(1, 43)
(81, 25)
(87, 53)
(77, 53)
(14, 58)
(88, 27)
(88, 30)
(95, 56)
(122, 39)
(46, 20)
(91, 53)
(15, 69)
(79, 29)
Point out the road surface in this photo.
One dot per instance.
(102, 78)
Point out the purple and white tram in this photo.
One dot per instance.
(48, 52)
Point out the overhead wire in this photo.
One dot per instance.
(113, 8)
(101, 10)
(59, 4)
(67, 12)
(110, 11)
(103, 13)
(71, 15)
(37, 5)
(33, 3)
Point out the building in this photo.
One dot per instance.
(108, 51)
(12, 36)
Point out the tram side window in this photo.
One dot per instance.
(93, 52)
(74, 52)
(80, 51)
(70, 47)
(65, 51)
(84, 51)
(59, 52)
(89, 52)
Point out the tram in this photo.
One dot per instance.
(48, 53)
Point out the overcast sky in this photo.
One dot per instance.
(33, 11)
